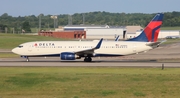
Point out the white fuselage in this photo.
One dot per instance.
(43, 48)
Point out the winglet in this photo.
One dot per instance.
(117, 38)
(99, 44)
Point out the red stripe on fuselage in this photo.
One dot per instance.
(148, 30)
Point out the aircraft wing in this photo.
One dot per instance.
(89, 51)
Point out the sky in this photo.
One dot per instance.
(57, 7)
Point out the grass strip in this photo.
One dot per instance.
(89, 82)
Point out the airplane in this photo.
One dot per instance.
(72, 50)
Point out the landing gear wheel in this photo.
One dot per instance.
(87, 59)
(27, 59)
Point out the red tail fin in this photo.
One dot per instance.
(151, 31)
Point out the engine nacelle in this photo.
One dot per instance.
(67, 56)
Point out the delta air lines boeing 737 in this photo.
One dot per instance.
(72, 50)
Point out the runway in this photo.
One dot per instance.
(103, 62)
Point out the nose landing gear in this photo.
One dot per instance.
(27, 58)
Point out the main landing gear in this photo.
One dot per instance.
(87, 59)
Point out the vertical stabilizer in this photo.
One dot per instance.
(151, 31)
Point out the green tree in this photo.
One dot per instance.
(26, 27)
(97, 18)
(2, 28)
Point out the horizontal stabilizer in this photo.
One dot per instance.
(155, 43)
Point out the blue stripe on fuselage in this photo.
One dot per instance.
(58, 55)
(106, 55)
(46, 55)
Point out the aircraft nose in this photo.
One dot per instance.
(15, 50)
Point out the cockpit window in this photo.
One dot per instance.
(20, 46)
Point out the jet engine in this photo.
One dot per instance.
(68, 56)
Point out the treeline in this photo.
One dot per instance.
(20, 23)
